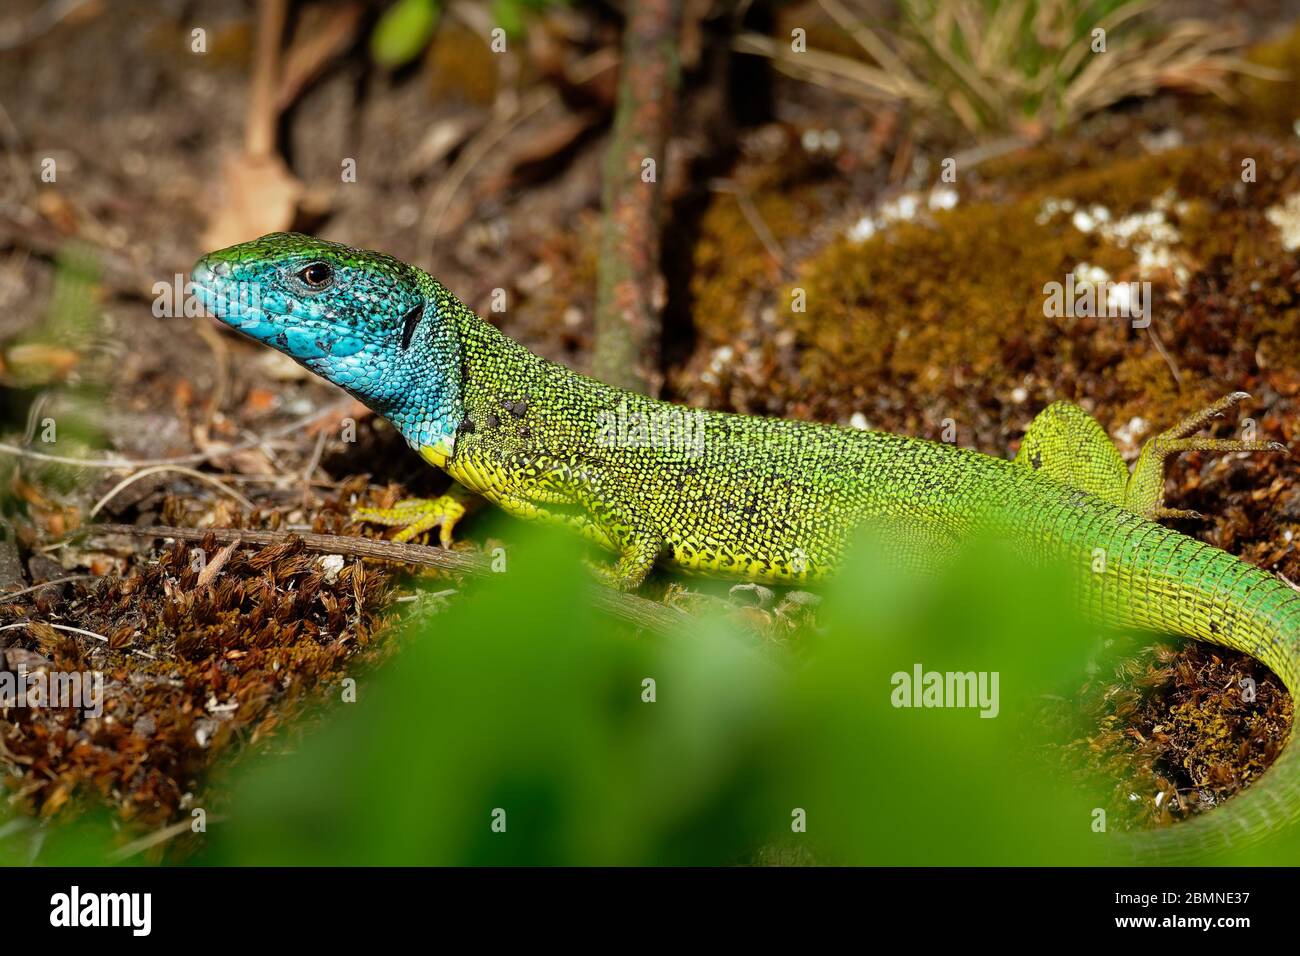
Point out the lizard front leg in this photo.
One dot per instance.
(611, 513)
(570, 493)
(417, 515)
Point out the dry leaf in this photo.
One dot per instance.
(213, 568)
(257, 195)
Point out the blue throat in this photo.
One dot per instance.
(415, 383)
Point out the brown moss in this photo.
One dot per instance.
(194, 672)
(932, 305)
(957, 297)
(1169, 732)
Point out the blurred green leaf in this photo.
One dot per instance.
(404, 31)
(512, 15)
(521, 701)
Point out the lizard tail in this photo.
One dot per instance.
(1184, 586)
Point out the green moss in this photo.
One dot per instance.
(928, 305)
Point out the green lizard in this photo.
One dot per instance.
(756, 498)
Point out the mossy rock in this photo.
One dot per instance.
(952, 302)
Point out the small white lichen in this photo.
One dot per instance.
(863, 229)
(943, 198)
(1150, 235)
(902, 208)
(1119, 298)
(1087, 274)
(331, 565)
(1286, 216)
(1129, 436)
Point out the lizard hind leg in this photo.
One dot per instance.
(1066, 443)
(1145, 492)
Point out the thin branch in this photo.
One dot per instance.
(46, 584)
(68, 629)
(159, 469)
(259, 130)
(755, 220)
(629, 284)
(1164, 354)
(149, 840)
(57, 627)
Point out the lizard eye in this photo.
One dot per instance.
(317, 275)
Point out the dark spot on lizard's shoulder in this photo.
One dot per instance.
(1036, 459)
(518, 408)
(467, 426)
(491, 421)
(524, 431)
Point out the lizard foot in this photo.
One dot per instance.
(1162, 513)
(632, 567)
(418, 515)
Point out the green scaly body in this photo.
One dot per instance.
(763, 499)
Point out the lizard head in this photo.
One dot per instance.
(365, 321)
